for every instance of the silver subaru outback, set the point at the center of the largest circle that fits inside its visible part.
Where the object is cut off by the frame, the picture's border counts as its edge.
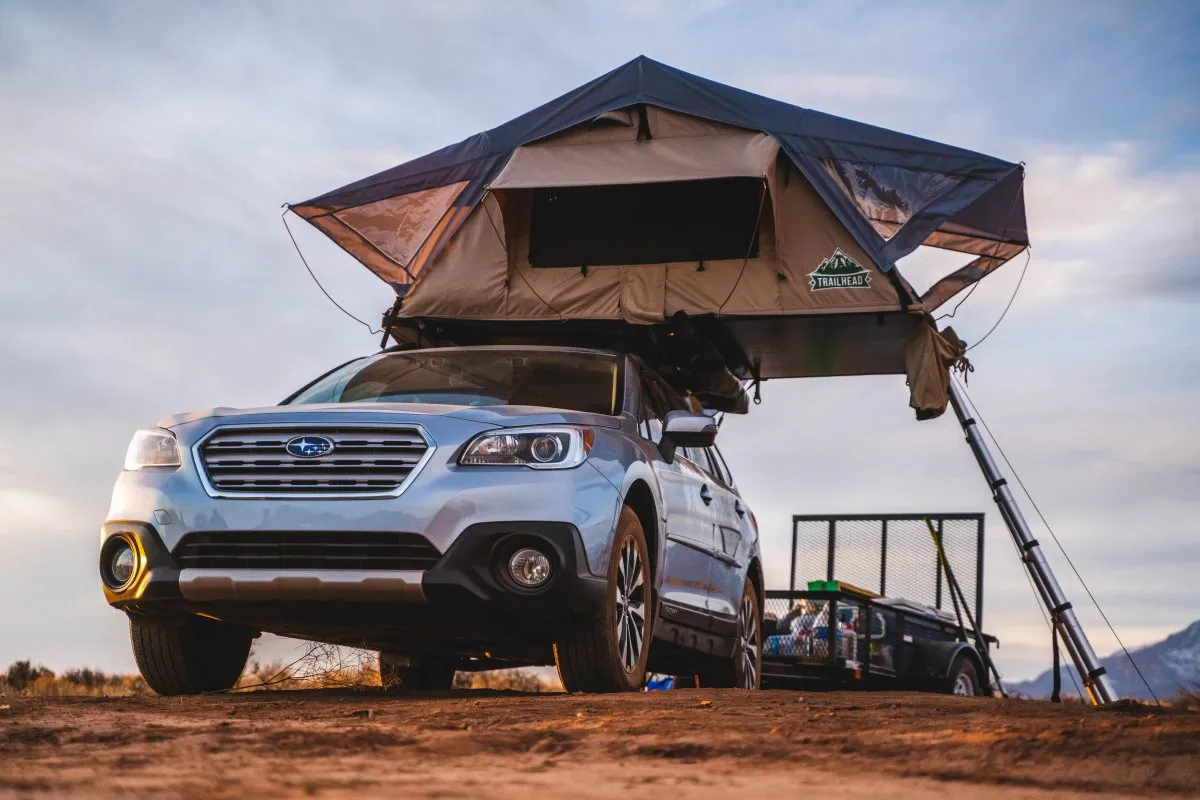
(454, 509)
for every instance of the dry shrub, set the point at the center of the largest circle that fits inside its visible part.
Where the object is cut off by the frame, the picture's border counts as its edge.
(1188, 699)
(25, 678)
(322, 666)
(514, 680)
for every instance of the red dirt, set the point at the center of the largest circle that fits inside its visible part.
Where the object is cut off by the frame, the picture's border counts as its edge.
(680, 744)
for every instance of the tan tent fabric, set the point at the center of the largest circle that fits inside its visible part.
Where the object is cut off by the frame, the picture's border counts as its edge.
(442, 290)
(483, 272)
(929, 357)
(388, 236)
(398, 225)
(996, 255)
(352, 242)
(659, 160)
(797, 234)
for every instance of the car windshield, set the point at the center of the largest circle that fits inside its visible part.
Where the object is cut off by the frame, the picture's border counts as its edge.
(552, 379)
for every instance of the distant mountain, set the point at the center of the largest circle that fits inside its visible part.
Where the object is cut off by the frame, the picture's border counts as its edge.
(1170, 666)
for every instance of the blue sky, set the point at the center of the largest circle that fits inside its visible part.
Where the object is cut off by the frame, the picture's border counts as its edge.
(145, 150)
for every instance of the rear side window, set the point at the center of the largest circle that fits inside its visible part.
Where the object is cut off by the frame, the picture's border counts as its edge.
(722, 469)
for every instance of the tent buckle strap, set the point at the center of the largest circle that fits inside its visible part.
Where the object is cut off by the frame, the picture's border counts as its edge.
(389, 321)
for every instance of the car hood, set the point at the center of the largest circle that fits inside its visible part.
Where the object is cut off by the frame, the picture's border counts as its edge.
(494, 416)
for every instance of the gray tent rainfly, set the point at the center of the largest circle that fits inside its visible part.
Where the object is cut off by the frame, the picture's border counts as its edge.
(723, 235)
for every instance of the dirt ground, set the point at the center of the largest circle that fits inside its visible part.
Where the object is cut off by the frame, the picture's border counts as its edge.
(679, 744)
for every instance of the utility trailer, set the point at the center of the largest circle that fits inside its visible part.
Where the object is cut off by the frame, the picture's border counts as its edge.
(884, 601)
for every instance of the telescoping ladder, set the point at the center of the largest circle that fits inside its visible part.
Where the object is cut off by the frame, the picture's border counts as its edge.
(1062, 615)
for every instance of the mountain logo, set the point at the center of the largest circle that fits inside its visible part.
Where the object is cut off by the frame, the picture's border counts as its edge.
(839, 271)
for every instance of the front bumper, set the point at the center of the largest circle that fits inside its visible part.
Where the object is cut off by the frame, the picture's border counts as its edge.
(462, 603)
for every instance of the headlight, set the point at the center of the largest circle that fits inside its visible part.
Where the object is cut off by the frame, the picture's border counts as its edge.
(538, 448)
(153, 447)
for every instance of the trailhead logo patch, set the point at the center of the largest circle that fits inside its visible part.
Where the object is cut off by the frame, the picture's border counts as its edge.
(839, 271)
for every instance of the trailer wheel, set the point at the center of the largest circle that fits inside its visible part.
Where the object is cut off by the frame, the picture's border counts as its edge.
(964, 679)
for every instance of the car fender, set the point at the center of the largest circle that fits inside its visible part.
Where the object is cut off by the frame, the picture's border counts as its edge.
(623, 462)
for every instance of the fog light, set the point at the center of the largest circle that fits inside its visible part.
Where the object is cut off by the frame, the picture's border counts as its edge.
(122, 564)
(529, 568)
(119, 563)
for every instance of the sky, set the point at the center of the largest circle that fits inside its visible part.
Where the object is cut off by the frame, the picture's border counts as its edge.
(146, 150)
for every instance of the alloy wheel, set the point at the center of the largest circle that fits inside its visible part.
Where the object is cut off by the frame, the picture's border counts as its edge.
(750, 644)
(631, 605)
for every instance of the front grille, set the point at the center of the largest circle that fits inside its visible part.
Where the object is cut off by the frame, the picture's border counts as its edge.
(305, 550)
(365, 460)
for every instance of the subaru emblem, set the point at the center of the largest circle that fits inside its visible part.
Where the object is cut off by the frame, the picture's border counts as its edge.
(309, 446)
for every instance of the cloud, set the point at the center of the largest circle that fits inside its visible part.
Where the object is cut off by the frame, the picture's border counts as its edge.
(1105, 221)
(810, 89)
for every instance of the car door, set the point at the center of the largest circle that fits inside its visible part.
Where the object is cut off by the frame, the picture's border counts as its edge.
(690, 522)
(733, 541)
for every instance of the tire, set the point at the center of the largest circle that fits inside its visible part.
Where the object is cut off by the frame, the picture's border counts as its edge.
(744, 669)
(428, 673)
(964, 679)
(609, 653)
(191, 655)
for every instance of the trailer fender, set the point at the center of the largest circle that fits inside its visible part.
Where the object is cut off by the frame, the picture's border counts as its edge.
(936, 659)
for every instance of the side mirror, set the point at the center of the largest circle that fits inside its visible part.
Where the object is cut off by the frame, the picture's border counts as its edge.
(686, 429)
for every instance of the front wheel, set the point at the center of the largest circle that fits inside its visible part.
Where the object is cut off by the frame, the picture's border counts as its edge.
(609, 653)
(190, 655)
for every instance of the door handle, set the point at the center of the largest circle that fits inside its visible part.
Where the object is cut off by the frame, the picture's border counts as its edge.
(737, 507)
(706, 495)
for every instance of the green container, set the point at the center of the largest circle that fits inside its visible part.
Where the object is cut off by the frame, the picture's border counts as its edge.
(824, 586)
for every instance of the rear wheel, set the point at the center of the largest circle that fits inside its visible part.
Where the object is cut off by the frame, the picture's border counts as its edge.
(190, 655)
(744, 669)
(609, 653)
(435, 673)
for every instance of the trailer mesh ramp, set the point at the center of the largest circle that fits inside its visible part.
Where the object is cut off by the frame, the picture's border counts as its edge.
(892, 555)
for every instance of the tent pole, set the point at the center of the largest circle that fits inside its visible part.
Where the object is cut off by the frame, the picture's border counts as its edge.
(1100, 689)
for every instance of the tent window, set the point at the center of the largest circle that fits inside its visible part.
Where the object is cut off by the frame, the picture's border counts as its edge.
(652, 223)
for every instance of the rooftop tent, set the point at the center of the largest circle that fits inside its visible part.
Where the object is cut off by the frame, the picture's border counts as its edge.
(722, 235)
